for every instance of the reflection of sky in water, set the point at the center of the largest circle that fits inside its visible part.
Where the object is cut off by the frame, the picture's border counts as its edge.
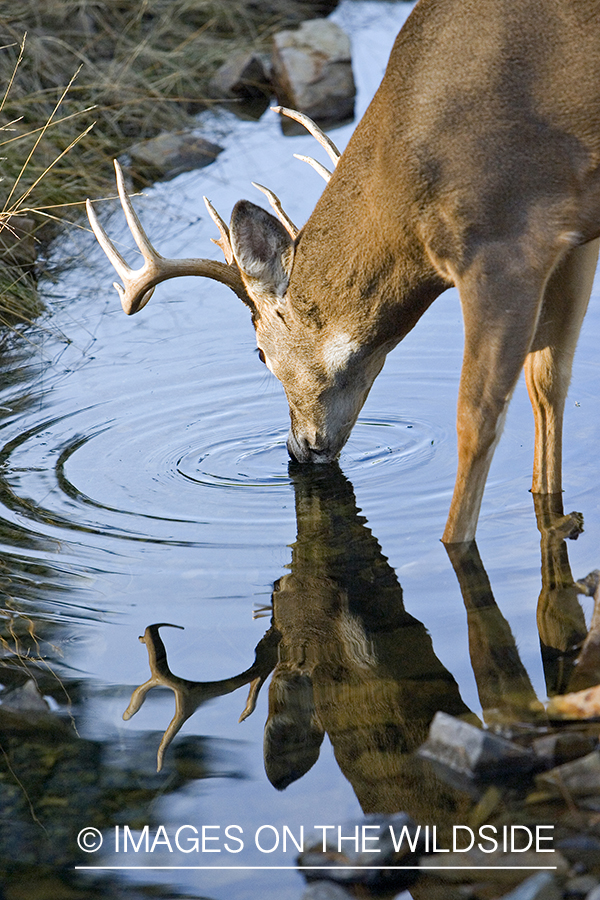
(151, 456)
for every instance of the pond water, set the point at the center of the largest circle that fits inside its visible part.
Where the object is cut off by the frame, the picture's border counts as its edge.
(144, 479)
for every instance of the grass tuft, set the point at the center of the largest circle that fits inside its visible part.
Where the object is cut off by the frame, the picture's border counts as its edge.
(140, 69)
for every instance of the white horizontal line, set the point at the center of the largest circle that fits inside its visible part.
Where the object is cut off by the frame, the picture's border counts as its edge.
(328, 868)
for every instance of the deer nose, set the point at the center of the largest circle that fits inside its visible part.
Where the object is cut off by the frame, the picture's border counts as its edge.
(300, 450)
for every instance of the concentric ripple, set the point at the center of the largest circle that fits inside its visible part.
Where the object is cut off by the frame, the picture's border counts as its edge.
(382, 443)
(137, 476)
(260, 459)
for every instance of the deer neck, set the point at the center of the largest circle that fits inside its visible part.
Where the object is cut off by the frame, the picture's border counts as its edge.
(359, 264)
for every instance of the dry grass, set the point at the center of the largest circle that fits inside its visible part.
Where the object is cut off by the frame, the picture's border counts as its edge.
(142, 68)
(81, 80)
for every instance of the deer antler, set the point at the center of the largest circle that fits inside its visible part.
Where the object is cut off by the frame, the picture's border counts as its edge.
(224, 242)
(189, 695)
(332, 151)
(279, 210)
(138, 284)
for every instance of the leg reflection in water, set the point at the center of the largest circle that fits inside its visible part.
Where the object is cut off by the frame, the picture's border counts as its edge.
(504, 688)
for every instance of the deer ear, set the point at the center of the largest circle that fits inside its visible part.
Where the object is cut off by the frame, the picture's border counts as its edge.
(263, 249)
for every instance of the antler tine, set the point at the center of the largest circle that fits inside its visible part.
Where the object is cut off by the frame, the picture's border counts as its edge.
(279, 211)
(224, 242)
(123, 270)
(138, 284)
(135, 226)
(253, 692)
(114, 257)
(317, 166)
(332, 151)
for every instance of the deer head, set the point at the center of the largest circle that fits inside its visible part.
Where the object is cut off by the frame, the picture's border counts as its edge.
(326, 367)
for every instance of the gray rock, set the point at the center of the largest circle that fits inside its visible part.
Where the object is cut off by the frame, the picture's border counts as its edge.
(312, 71)
(580, 778)
(541, 886)
(290, 12)
(580, 886)
(592, 803)
(562, 747)
(243, 77)
(509, 867)
(351, 865)
(473, 752)
(581, 848)
(169, 154)
(24, 699)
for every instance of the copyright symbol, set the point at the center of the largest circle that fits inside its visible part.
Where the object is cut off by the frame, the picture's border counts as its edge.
(89, 840)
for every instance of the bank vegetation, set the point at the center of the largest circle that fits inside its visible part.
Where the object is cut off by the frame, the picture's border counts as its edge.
(81, 81)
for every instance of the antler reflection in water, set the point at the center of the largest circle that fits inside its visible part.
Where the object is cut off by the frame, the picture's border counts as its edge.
(189, 695)
(352, 662)
(584, 702)
(587, 670)
(347, 659)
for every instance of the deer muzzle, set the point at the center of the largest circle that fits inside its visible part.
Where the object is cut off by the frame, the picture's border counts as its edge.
(300, 450)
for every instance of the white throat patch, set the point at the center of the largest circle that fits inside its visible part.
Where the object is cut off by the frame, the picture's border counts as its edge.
(337, 351)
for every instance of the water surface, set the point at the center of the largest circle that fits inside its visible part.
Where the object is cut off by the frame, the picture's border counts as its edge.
(144, 479)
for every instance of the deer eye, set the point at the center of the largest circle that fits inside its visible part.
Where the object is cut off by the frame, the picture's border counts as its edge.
(261, 356)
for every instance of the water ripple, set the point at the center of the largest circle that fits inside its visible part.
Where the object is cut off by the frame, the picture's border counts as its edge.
(137, 476)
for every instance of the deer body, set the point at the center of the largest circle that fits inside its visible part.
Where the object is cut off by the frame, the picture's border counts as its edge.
(477, 165)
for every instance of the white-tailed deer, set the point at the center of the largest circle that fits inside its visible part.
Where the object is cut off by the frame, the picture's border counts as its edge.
(477, 164)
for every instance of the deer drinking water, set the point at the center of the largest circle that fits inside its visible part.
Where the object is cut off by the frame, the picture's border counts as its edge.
(477, 165)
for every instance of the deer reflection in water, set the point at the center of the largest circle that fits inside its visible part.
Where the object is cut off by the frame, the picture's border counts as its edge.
(348, 660)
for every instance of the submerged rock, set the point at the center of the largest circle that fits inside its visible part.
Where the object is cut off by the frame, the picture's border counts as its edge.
(24, 698)
(470, 866)
(580, 778)
(562, 747)
(581, 886)
(325, 890)
(581, 849)
(375, 841)
(473, 752)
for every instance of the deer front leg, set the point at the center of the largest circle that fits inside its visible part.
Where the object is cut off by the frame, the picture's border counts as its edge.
(500, 314)
(548, 365)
